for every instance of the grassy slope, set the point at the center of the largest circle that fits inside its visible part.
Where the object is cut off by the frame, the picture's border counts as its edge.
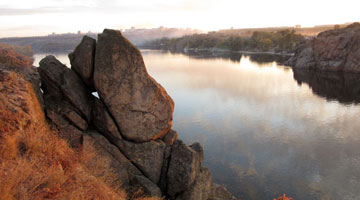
(35, 163)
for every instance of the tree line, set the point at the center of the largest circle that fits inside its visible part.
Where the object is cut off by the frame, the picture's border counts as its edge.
(279, 41)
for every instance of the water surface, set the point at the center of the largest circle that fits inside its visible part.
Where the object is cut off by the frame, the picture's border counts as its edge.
(265, 128)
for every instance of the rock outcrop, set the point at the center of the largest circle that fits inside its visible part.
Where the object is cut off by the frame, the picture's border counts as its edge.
(333, 50)
(140, 106)
(129, 125)
(59, 83)
(82, 60)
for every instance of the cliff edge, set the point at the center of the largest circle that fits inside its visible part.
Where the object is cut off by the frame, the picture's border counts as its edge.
(333, 50)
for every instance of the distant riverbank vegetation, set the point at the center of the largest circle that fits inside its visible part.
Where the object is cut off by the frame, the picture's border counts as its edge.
(259, 41)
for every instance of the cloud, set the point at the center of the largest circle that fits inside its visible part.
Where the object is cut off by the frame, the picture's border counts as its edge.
(14, 11)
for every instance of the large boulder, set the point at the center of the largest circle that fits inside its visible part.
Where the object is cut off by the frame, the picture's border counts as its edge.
(146, 156)
(333, 50)
(140, 106)
(60, 83)
(184, 166)
(82, 60)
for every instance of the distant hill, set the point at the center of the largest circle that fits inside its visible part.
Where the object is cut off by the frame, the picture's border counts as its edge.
(67, 42)
(306, 31)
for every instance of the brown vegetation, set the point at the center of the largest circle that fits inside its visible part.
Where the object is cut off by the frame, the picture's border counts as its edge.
(16, 56)
(283, 197)
(35, 163)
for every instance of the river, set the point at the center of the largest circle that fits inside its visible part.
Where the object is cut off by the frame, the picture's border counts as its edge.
(265, 129)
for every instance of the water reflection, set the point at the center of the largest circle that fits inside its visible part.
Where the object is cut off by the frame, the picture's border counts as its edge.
(263, 133)
(260, 59)
(342, 87)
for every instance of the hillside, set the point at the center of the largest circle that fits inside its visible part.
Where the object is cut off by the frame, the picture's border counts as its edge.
(55, 43)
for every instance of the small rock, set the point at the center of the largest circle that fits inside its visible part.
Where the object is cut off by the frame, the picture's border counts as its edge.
(183, 168)
(170, 137)
(200, 189)
(147, 157)
(198, 148)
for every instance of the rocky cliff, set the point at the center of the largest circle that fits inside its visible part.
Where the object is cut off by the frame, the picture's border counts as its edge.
(128, 121)
(333, 50)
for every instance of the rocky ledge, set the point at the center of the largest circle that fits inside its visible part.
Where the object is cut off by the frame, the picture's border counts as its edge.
(129, 121)
(333, 50)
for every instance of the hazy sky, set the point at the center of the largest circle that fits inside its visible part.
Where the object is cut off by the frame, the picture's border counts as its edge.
(41, 17)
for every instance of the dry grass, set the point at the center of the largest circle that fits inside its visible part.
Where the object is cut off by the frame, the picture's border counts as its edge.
(35, 163)
(40, 165)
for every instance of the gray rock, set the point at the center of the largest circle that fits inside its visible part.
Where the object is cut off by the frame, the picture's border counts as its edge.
(183, 168)
(75, 118)
(219, 192)
(82, 60)
(198, 148)
(163, 177)
(170, 137)
(140, 106)
(61, 83)
(121, 168)
(123, 162)
(146, 187)
(66, 130)
(104, 122)
(333, 50)
(200, 189)
(147, 156)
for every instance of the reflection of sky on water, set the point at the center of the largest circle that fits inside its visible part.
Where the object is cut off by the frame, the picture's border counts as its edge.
(263, 134)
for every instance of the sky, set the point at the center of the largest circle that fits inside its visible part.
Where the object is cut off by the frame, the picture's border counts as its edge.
(42, 17)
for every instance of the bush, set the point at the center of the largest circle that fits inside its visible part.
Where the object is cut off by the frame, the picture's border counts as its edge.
(16, 56)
